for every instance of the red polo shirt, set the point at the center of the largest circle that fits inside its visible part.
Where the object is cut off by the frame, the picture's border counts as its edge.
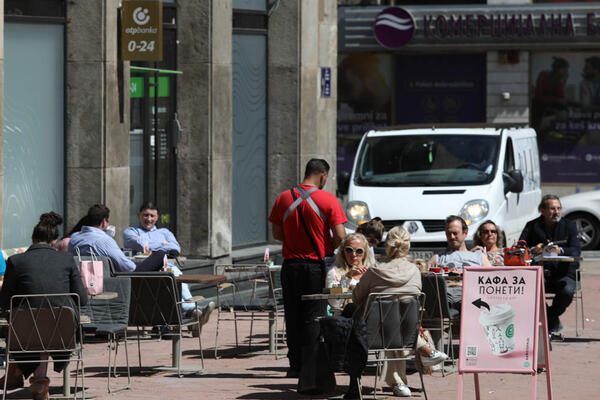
(296, 244)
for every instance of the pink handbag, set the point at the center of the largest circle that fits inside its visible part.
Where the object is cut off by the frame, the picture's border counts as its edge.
(92, 274)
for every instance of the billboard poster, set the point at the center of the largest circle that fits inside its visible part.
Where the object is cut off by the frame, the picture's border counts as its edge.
(498, 320)
(565, 112)
(425, 92)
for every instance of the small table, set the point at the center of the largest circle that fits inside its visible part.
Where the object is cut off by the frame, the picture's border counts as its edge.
(327, 296)
(104, 296)
(543, 259)
(176, 339)
(200, 278)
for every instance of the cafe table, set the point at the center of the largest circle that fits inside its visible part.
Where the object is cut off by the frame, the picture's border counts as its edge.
(176, 339)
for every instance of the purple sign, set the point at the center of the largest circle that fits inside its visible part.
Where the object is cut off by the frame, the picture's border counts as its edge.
(394, 27)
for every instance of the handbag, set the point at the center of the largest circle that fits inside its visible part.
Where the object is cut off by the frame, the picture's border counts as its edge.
(517, 255)
(92, 273)
(316, 376)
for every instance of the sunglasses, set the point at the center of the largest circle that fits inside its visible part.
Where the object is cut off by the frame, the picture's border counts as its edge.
(489, 231)
(350, 250)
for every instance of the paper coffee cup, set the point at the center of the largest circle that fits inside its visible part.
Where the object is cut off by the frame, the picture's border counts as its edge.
(499, 327)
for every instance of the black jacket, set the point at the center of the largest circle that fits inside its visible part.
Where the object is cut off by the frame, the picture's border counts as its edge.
(536, 232)
(41, 270)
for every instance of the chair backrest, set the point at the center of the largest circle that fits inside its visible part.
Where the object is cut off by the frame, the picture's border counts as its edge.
(109, 315)
(154, 299)
(392, 322)
(436, 296)
(43, 322)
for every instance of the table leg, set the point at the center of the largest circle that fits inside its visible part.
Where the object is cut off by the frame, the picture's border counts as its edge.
(176, 345)
(67, 380)
(272, 332)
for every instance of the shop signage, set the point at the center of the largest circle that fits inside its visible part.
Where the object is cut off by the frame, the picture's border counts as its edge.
(498, 27)
(141, 34)
(394, 27)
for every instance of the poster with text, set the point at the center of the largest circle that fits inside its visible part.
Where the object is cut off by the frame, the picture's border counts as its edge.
(565, 112)
(498, 320)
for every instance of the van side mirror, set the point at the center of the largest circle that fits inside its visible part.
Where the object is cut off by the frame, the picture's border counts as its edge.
(513, 181)
(343, 182)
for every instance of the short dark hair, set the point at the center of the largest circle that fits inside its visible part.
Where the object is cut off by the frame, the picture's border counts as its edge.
(96, 214)
(452, 218)
(46, 229)
(545, 199)
(373, 228)
(316, 166)
(148, 205)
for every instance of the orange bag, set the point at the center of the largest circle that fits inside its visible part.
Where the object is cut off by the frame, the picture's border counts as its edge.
(517, 255)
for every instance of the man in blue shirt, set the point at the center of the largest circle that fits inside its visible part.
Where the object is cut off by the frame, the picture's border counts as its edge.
(93, 237)
(148, 235)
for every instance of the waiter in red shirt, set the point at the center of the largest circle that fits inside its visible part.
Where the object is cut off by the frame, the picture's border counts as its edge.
(310, 223)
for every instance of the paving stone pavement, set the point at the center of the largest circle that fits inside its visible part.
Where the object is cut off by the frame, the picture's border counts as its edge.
(241, 375)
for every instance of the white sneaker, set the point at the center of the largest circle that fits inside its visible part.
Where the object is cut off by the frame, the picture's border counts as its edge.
(434, 358)
(401, 391)
(206, 311)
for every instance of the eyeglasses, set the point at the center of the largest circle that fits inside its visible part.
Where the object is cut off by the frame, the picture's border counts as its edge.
(489, 231)
(350, 250)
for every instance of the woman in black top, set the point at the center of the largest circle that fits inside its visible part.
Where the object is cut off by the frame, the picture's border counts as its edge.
(40, 270)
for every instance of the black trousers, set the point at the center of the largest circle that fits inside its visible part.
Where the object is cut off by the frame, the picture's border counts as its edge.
(564, 288)
(300, 277)
(154, 262)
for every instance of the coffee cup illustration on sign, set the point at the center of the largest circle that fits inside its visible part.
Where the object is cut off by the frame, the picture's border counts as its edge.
(499, 328)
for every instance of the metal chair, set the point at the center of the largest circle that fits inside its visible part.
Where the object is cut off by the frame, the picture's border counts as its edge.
(438, 316)
(252, 296)
(578, 298)
(155, 302)
(46, 324)
(109, 317)
(392, 328)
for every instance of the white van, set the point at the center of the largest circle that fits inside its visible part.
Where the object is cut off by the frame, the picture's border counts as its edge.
(417, 177)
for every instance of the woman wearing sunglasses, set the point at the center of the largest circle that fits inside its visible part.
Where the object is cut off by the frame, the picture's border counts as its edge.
(490, 239)
(352, 260)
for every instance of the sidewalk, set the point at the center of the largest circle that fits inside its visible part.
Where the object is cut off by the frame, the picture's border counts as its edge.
(574, 366)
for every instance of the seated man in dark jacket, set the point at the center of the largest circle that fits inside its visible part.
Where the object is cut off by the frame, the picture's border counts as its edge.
(543, 233)
(40, 270)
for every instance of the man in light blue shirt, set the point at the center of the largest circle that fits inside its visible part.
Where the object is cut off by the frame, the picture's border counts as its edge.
(93, 237)
(147, 234)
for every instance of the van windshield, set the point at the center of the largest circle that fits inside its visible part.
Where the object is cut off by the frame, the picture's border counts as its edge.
(428, 160)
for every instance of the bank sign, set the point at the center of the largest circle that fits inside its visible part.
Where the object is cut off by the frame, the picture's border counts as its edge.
(141, 34)
(395, 27)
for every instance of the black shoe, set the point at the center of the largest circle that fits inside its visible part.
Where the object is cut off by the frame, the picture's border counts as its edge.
(292, 373)
(352, 393)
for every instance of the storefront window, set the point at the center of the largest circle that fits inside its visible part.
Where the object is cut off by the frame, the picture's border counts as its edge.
(565, 112)
(34, 8)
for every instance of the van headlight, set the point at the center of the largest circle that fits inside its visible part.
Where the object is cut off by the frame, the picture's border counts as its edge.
(357, 212)
(474, 211)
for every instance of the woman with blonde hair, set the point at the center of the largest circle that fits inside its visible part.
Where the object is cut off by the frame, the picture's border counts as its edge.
(397, 276)
(489, 238)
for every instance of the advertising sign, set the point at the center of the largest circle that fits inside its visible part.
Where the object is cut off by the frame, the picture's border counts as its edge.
(499, 320)
(394, 27)
(565, 112)
(141, 35)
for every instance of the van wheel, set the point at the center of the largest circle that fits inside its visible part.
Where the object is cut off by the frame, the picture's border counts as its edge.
(588, 228)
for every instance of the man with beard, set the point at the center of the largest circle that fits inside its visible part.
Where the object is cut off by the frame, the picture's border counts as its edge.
(559, 277)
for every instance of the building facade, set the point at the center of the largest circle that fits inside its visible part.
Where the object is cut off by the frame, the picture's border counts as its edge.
(512, 62)
(211, 133)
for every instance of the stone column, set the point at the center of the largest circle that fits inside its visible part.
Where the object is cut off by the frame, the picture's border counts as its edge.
(302, 124)
(204, 100)
(1, 117)
(512, 79)
(97, 133)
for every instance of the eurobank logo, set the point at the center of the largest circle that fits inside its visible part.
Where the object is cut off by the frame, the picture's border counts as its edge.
(394, 27)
